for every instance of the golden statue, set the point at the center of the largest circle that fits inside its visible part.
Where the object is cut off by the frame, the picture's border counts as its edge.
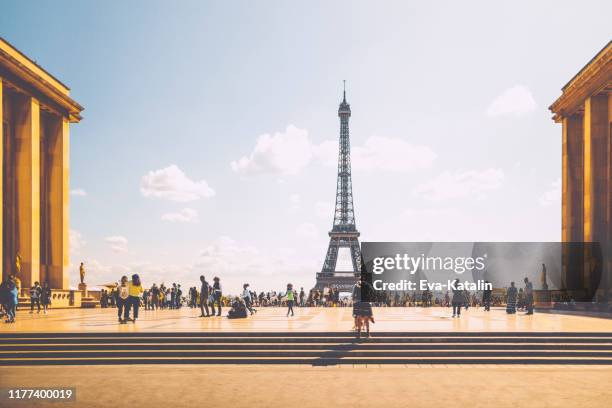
(82, 272)
(18, 263)
(543, 278)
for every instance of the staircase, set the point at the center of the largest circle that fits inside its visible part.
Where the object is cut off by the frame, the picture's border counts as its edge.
(313, 348)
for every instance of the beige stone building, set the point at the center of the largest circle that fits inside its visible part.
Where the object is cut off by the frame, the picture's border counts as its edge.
(35, 114)
(585, 111)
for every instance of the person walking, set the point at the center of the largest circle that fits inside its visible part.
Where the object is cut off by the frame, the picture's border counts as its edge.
(12, 298)
(486, 297)
(290, 299)
(529, 296)
(155, 297)
(35, 292)
(123, 294)
(511, 295)
(458, 300)
(134, 290)
(45, 297)
(204, 292)
(168, 301)
(179, 295)
(362, 308)
(217, 295)
(246, 296)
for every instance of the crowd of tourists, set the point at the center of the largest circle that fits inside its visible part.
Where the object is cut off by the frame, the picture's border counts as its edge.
(129, 296)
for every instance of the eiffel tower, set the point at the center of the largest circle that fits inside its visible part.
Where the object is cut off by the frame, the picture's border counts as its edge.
(344, 232)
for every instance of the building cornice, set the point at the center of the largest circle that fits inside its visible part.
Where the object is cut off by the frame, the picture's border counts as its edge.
(593, 78)
(26, 76)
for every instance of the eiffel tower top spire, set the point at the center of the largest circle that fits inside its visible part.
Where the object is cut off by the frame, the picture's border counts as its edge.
(344, 108)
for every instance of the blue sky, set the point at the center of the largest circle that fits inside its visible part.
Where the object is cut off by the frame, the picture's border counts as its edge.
(451, 135)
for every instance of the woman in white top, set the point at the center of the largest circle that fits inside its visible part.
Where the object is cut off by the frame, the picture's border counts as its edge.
(246, 296)
(168, 298)
(122, 299)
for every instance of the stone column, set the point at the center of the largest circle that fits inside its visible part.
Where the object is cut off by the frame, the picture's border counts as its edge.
(607, 279)
(55, 198)
(572, 201)
(573, 170)
(27, 138)
(3, 273)
(596, 180)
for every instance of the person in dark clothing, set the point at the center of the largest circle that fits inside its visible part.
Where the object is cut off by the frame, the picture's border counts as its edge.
(4, 297)
(528, 296)
(179, 297)
(458, 300)
(238, 310)
(204, 292)
(511, 296)
(155, 292)
(45, 297)
(10, 299)
(362, 309)
(217, 295)
(35, 292)
(486, 297)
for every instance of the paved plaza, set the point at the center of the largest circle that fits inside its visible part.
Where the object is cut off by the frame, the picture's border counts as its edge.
(388, 319)
(306, 386)
(356, 385)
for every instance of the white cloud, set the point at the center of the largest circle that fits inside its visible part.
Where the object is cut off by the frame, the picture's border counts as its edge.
(289, 152)
(379, 153)
(552, 196)
(516, 100)
(184, 215)
(326, 152)
(307, 230)
(117, 243)
(78, 192)
(76, 242)
(295, 202)
(324, 209)
(391, 154)
(172, 184)
(283, 153)
(236, 263)
(472, 183)
(435, 224)
(101, 273)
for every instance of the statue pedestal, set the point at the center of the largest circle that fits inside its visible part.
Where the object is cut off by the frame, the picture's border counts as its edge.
(86, 300)
(542, 299)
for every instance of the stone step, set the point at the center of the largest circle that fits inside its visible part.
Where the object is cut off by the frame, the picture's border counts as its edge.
(331, 353)
(304, 346)
(319, 348)
(343, 334)
(307, 340)
(317, 361)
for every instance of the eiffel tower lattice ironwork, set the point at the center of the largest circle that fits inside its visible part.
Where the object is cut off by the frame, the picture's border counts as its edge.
(344, 232)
